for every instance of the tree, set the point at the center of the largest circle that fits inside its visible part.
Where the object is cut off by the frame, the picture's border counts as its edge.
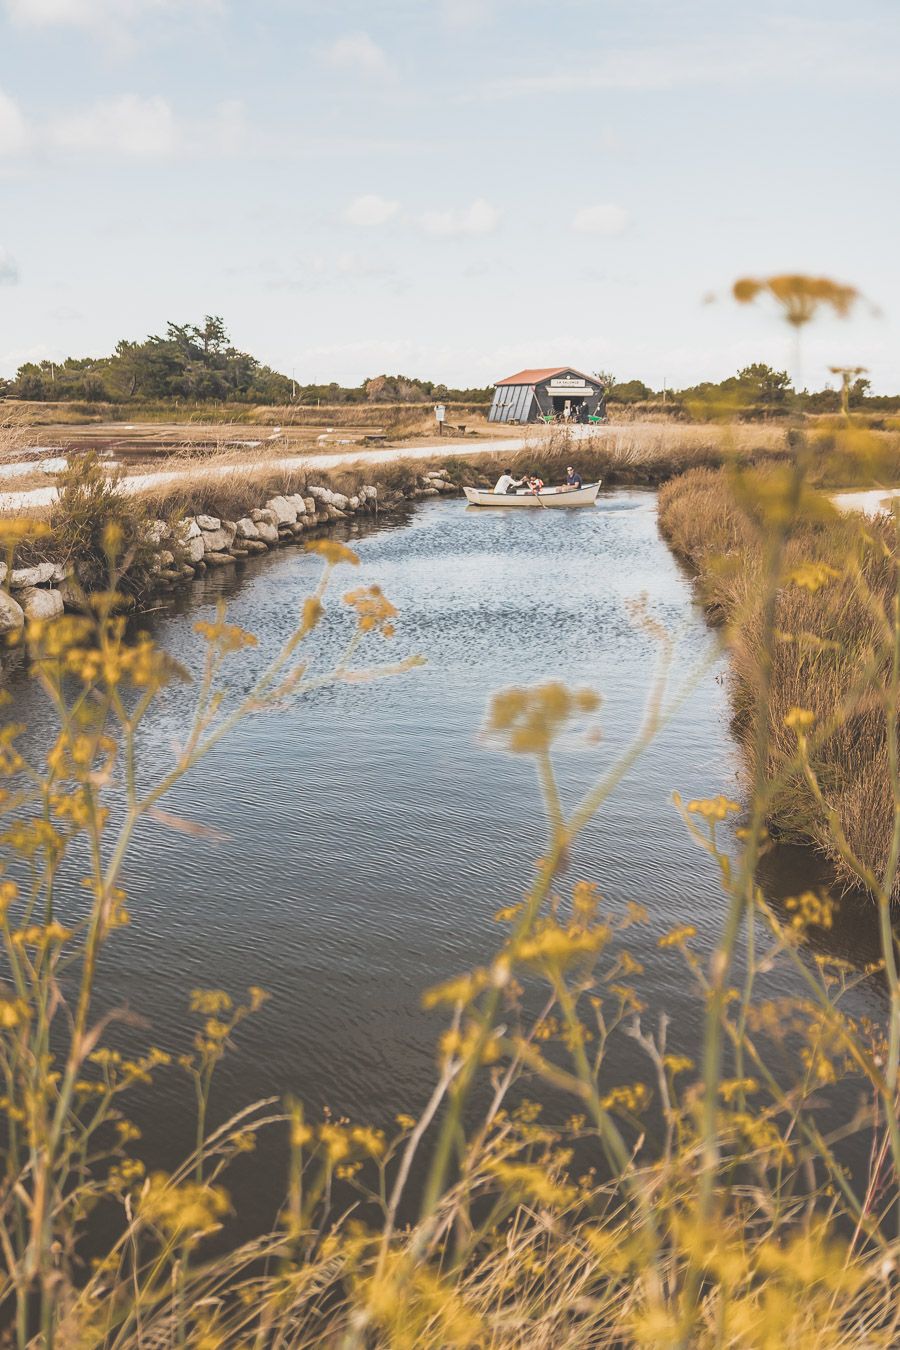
(632, 391)
(859, 392)
(765, 385)
(30, 382)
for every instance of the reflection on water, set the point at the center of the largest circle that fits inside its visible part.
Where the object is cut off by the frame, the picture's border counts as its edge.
(371, 836)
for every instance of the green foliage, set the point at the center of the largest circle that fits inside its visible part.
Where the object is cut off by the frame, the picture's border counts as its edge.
(632, 391)
(198, 363)
(193, 362)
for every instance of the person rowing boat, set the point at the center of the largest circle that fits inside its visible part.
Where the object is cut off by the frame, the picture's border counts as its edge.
(506, 483)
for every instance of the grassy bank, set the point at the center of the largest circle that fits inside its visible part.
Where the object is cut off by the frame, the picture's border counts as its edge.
(838, 584)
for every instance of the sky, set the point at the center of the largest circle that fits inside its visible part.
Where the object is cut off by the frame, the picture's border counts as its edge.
(451, 189)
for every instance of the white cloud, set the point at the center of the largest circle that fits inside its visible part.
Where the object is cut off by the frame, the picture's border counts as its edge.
(13, 127)
(128, 125)
(142, 127)
(766, 55)
(228, 129)
(479, 218)
(357, 52)
(89, 13)
(370, 210)
(9, 268)
(465, 13)
(607, 219)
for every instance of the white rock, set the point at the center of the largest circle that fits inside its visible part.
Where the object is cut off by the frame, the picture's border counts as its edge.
(246, 529)
(321, 494)
(31, 576)
(216, 541)
(39, 604)
(300, 502)
(3, 571)
(268, 517)
(156, 531)
(340, 501)
(208, 522)
(310, 505)
(194, 548)
(369, 492)
(230, 528)
(354, 503)
(12, 615)
(285, 513)
(188, 528)
(268, 533)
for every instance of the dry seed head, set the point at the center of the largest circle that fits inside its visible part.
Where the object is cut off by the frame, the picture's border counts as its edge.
(799, 297)
(333, 551)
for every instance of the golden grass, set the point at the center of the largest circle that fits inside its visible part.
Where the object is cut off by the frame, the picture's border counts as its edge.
(829, 636)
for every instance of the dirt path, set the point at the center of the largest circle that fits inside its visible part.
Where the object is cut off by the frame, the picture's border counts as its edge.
(38, 498)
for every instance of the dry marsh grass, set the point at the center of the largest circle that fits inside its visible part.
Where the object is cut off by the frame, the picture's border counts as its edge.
(840, 576)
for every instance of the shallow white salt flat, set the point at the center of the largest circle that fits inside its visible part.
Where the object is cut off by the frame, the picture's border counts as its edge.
(23, 501)
(869, 502)
(21, 469)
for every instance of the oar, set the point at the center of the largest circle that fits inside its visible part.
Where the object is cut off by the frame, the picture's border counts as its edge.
(537, 493)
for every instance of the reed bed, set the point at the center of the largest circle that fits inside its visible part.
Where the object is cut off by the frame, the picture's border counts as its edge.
(840, 577)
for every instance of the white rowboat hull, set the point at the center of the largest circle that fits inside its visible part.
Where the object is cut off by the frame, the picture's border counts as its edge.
(583, 496)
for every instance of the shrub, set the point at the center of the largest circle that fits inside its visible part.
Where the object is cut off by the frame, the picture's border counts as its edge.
(94, 519)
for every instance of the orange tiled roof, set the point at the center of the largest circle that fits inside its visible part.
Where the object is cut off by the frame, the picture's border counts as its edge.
(535, 376)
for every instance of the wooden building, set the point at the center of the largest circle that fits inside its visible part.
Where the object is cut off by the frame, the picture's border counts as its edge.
(558, 394)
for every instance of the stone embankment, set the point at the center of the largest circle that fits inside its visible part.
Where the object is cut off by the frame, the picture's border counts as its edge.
(192, 546)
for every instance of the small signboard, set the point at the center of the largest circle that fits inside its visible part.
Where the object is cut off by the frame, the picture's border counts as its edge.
(570, 384)
(440, 412)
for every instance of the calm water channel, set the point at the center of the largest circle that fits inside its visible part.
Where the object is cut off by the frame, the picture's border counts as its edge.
(371, 834)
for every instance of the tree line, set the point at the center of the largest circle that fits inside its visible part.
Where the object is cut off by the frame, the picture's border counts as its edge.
(757, 387)
(198, 363)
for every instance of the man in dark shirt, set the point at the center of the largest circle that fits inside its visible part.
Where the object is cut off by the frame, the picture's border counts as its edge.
(573, 479)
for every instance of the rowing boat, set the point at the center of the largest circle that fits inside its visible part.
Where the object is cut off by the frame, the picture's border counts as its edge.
(554, 496)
